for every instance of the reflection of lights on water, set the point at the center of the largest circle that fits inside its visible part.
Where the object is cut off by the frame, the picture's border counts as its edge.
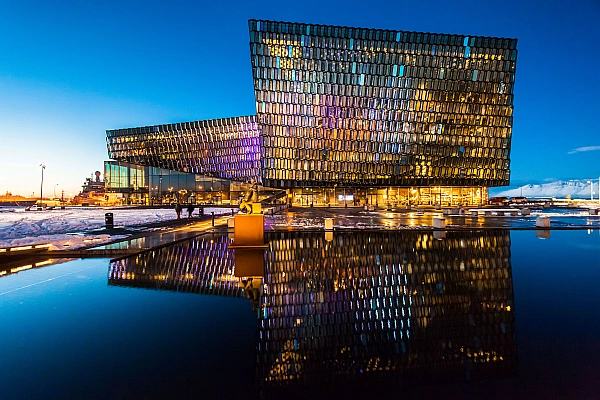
(23, 268)
(218, 278)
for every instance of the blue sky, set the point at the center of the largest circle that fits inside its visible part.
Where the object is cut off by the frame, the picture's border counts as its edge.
(69, 70)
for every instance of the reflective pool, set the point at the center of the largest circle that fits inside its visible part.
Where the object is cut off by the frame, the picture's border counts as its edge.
(353, 218)
(461, 315)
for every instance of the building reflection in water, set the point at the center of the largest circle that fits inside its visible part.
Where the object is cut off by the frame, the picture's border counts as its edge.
(9, 267)
(391, 307)
(202, 265)
(387, 304)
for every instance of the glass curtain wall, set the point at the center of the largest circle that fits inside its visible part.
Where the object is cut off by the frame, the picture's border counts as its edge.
(443, 196)
(170, 187)
(128, 181)
(227, 148)
(400, 117)
(368, 107)
(139, 185)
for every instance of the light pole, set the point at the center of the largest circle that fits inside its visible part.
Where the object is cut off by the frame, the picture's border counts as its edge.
(55, 190)
(591, 190)
(42, 185)
(160, 188)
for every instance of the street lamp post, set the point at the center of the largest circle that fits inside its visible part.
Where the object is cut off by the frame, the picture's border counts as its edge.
(160, 188)
(55, 190)
(42, 185)
(155, 188)
(591, 190)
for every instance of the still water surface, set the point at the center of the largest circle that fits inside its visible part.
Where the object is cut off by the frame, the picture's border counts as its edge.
(493, 313)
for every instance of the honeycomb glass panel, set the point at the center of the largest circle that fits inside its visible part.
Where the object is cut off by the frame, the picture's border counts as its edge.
(227, 148)
(447, 90)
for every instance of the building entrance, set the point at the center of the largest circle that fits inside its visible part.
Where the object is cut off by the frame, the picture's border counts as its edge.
(391, 196)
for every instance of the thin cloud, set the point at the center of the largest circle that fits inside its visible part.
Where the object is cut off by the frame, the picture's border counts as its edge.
(582, 149)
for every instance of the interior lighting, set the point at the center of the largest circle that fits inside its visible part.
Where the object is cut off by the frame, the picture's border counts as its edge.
(21, 248)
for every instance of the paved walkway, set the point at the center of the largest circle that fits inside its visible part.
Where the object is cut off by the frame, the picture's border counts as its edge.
(300, 218)
(179, 232)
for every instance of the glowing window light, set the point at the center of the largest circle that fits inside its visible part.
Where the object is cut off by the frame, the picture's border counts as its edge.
(21, 248)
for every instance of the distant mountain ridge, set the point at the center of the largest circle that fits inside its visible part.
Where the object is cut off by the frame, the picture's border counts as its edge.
(577, 189)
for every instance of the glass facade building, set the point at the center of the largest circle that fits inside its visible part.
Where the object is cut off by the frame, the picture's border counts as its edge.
(351, 113)
(200, 162)
(367, 107)
(225, 148)
(138, 184)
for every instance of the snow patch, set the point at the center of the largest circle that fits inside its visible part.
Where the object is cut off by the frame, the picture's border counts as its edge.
(577, 189)
(19, 227)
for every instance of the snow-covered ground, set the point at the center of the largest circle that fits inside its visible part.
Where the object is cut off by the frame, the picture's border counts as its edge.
(19, 227)
(576, 189)
(70, 228)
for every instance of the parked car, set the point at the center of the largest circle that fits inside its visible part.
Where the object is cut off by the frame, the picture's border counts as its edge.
(519, 200)
(498, 201)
